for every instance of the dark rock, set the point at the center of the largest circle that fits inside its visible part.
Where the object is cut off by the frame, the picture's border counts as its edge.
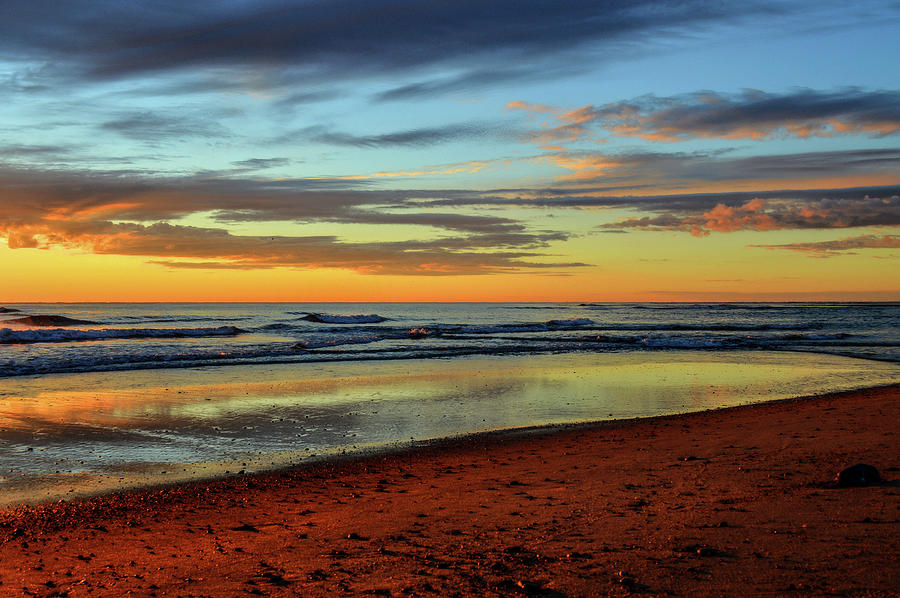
(276, 579)
(8, 310)
(245, 528)
(857, 475)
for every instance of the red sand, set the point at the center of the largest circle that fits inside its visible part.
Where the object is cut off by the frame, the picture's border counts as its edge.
(729, 502)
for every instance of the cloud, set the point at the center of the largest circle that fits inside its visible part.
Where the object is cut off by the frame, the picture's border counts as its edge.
(760, 215)
(469, 167)
(182, 246)
(128, 214)
(155, 127)
(38, 151)
(840, 246)
(138, 213)
(476, 79)
(562, 125)
(331, 40)
(752, 114)
(260, 163)
(421, 137)
(678, 168)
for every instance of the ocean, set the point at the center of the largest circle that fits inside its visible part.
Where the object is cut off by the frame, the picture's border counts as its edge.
(99, 397)
(121, 337)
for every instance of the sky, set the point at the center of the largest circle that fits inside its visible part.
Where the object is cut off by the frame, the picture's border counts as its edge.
(510, 150)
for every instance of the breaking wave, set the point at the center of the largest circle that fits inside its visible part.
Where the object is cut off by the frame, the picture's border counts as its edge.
(58, 335)
(338, 319)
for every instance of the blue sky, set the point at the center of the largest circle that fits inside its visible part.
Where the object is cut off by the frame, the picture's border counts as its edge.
(470, 138)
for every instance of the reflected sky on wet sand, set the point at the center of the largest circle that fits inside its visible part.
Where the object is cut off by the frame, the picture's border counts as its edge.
(67, 435)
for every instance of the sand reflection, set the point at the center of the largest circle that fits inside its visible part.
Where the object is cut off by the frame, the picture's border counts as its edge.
(69, 434)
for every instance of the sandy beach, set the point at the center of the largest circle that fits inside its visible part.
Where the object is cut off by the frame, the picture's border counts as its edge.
(729, 502)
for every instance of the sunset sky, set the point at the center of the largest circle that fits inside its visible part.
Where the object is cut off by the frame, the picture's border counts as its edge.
(355, 150)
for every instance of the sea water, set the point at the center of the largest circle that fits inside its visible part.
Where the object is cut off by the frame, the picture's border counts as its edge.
(150, 393)
(123, 337)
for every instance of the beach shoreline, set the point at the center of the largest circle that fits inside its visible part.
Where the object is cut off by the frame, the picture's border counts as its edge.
(708, 503)
(78, 435)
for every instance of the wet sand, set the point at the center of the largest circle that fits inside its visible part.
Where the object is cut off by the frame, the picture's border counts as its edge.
(729, 502)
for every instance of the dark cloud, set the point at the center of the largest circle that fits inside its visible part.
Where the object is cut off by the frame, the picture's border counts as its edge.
(125, 213)
(579, 197)
(412, 138)
(155, 127)
(136, 213)
(752, 114)
(260, 163)
(336, 39)
(473, 79)
(596, 179)
(841, 246)
(761, 214)
(299, 98)
(42, 151)
(667, 169)
(757, 115)
(174, 243)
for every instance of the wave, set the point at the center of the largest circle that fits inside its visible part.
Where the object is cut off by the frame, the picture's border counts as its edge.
(49, 321)
(153, 319)
(276, 326)
(550, 325)
(125, 357)
(58, 335)
(339, 319)
(708, 327)
(358, 340)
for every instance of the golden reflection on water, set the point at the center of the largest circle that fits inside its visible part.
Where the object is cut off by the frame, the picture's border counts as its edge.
(637, 383)
(63, 435)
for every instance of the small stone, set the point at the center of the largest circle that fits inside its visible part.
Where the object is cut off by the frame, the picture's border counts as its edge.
(246, 528)
(858, 475)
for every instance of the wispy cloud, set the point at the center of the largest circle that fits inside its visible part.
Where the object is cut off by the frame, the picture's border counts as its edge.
(678, 168)
(155, 127)
(752, 114)
(755, 115)
(340, 39)
(760, 215)
(420, 137)
(841, 246)
(252, 164)
(130, 214)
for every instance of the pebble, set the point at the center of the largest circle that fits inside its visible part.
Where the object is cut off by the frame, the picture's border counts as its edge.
(860, 474)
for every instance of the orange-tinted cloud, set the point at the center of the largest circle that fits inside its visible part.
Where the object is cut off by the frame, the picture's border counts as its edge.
(561, 125)
(762, 215)
(841, 246)
(752, 115)
(113, 215)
